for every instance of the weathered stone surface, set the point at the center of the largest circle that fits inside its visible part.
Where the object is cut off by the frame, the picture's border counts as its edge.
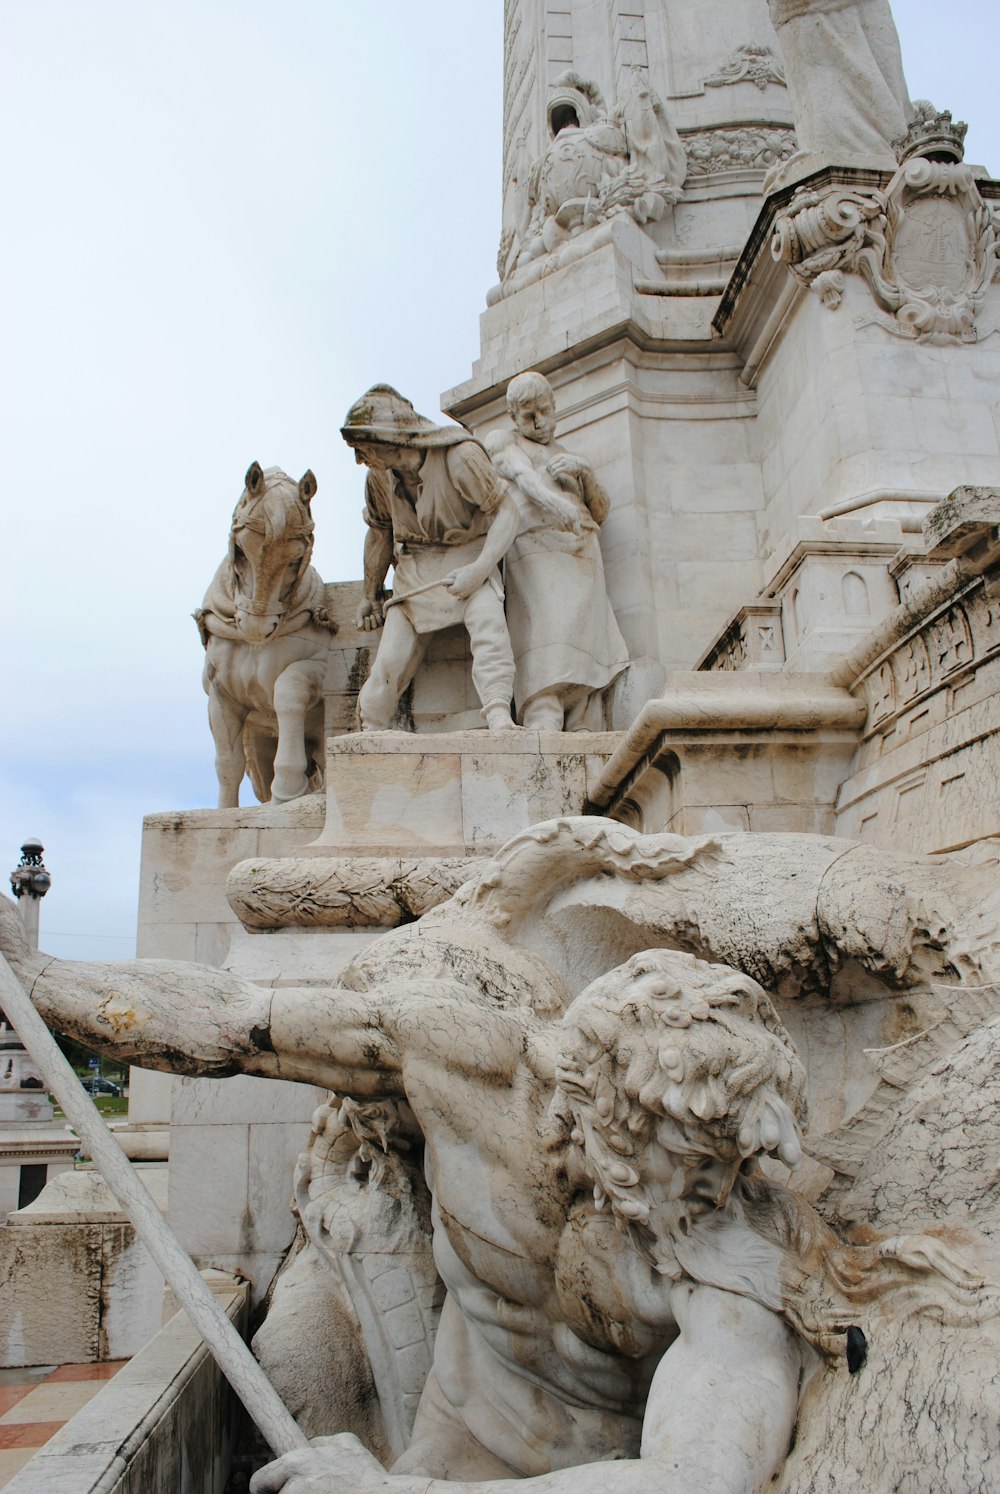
(76, 1285)
(582, 1041)
(452, 794)
(845, 79)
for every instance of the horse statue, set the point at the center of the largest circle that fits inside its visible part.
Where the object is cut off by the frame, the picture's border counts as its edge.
(266, 634)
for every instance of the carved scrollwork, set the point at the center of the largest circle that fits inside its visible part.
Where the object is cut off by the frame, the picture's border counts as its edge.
(825, 232)
(926, 246)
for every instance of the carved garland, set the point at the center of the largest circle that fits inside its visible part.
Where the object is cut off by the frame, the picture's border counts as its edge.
(343, 892)
(743, 148)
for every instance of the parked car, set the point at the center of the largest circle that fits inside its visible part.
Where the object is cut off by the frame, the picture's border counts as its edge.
(98, 1086)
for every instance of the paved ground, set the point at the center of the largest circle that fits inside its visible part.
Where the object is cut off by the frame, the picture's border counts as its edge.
(36, 1402)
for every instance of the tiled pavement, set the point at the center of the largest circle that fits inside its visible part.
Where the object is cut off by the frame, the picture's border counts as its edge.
(36, 1402)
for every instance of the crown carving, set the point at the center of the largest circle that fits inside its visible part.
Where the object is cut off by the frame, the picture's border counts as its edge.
(932, 134)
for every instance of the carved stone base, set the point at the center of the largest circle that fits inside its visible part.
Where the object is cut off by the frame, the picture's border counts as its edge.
(457, 794)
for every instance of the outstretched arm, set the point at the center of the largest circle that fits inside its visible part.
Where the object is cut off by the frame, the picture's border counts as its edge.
(718, 1420)
(191, 1019)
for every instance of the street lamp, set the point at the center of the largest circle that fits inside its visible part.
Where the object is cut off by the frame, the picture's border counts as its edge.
(29, 880)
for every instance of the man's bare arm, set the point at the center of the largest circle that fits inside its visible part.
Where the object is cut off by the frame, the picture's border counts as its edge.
(499, 538)
(191, 1019)
(378, 559)
(512, 464)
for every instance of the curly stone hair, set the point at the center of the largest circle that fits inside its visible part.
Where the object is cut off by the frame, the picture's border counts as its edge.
(668, 1035)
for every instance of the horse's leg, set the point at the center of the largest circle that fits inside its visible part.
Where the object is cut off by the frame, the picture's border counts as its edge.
(295, 692)
(226, 719)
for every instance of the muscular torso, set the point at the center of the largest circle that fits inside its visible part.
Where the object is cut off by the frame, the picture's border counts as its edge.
(554, 1324)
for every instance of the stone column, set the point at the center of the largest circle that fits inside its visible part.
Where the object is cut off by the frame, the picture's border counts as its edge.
(613, 313)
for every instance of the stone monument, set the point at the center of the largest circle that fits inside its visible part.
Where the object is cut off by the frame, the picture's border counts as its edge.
(652, 1070)
(634, 1281)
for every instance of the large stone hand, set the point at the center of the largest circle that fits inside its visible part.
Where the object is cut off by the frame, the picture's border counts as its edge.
(332, 1465)
(369, 616)
(463, 582)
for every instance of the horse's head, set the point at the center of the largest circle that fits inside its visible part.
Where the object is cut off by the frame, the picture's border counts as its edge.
(270, 546)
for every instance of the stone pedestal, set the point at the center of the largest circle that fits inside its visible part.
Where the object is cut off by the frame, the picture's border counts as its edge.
(76, 1285)
(459, 793)
(33, 1148)
(39, 1145)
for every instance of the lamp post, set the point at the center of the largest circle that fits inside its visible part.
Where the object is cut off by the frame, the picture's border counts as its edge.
(30, 882)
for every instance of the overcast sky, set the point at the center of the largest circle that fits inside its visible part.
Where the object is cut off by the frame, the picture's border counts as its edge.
(224, 219)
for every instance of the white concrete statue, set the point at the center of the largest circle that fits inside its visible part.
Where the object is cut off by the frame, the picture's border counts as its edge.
(845, 79)
(567, 644)
(633, 1303)
(439, 515)
(266, 633)
(598, 163)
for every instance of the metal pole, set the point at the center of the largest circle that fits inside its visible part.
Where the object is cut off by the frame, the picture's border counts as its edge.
(241, 1369)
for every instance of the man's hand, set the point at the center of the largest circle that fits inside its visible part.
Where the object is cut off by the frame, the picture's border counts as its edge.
(463, 582)
(332, 1465)
(369, 616)
(567, 468)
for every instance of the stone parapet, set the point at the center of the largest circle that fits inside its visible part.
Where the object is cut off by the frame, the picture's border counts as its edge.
(167, 1412)
(752, 750)
(928, 761)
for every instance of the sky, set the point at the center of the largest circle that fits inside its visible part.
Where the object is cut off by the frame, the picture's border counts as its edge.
(225, 219)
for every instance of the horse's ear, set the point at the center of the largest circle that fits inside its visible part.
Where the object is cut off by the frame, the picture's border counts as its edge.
(254, 477)
(307, 486)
